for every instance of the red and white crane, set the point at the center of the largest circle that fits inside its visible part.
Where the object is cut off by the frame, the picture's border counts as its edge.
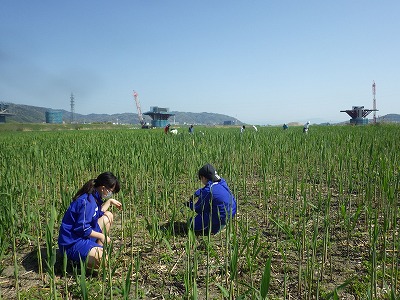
(139, 110)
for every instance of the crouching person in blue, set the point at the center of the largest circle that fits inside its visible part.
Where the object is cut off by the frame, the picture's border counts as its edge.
(87, 221)
(215, 203)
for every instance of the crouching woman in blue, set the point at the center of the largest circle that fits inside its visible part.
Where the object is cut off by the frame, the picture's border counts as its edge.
(215, 202)
(87, 220)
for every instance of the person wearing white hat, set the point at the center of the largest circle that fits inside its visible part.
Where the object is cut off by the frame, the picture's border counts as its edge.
(305, 128)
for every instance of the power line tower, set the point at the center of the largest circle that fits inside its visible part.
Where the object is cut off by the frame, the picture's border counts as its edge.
(374, 100)
(72, 108)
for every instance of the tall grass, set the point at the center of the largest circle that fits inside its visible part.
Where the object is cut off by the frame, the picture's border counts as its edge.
(313, 211)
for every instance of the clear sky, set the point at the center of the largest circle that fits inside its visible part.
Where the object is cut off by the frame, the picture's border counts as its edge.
(261, 61)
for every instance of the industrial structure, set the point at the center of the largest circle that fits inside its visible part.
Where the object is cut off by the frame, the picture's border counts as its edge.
(139, 110)
(159, 116)
(229, 122)
(72, 108)
(358, 113)
(374, 100)
(4, 112)
(54, 117)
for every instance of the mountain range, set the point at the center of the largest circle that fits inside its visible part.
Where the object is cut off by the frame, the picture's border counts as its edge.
(34, 114)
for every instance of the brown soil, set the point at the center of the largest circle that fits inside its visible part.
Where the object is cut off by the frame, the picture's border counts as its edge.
(163, 266)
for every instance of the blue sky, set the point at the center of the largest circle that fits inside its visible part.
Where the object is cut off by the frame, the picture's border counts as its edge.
(261, 61)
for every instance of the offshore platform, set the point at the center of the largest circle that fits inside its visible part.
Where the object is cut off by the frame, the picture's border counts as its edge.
(159, 115)
(358, 114)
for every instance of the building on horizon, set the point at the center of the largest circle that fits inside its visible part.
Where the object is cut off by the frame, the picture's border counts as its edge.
(4, 112)
(54, 117)
(229, 122)
(358, 115)
(159, 116)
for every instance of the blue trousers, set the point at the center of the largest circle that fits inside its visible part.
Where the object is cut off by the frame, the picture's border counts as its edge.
(201, 223)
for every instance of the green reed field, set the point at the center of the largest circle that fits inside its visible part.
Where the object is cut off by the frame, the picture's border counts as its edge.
(318, 214)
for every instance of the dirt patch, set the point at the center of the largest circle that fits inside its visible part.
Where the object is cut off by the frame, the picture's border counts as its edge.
(312, 253)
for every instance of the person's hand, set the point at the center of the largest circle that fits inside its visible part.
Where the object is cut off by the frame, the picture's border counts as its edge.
(103, 240)
(116, 203)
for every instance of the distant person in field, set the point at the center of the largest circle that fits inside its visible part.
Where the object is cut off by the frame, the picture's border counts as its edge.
(285, 126)
(242, 129)
(87, 221)
(305, 128)
(174, 131)
(215, 204)
(166, 128)
(191, 129)
(255, 128)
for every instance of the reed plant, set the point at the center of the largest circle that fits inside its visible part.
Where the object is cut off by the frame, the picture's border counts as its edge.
(314, 211)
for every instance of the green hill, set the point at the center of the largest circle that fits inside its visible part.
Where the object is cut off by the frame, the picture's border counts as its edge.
(34, 114)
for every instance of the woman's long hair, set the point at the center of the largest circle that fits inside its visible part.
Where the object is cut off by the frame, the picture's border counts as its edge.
(106, 179)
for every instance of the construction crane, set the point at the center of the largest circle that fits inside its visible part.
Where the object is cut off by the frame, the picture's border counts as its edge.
(140, 115)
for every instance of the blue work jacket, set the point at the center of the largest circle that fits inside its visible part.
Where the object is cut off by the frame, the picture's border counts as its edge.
(80, 219)
(216, 199)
